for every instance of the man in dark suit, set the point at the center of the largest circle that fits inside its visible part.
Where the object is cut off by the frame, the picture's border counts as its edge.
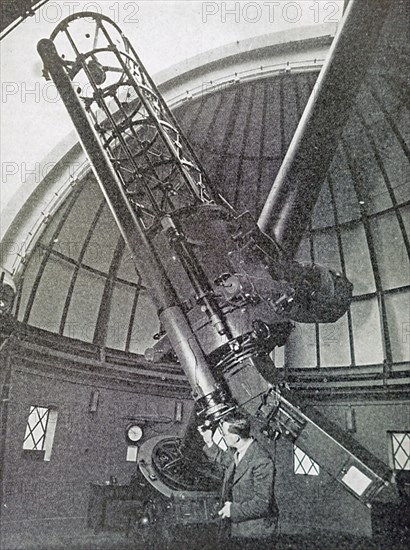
(248, 489)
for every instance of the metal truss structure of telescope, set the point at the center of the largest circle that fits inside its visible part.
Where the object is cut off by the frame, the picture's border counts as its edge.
(226, 293)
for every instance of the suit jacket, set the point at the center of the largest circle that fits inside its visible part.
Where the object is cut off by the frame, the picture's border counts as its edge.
(254, 512)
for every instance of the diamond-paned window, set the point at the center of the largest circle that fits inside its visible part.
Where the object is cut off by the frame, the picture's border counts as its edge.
(35, 436)
(303, 464)
(400, 442)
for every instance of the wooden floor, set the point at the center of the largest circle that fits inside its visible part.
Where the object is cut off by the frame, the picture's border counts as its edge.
(195, 541)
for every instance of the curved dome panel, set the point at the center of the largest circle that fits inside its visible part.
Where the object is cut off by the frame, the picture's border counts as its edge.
(99, 297)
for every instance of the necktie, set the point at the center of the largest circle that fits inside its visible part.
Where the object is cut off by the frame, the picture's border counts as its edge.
(228, 481)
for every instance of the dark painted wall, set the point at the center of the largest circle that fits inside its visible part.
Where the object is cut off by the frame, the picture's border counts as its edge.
(45, 497)
(89, 447)
(319, 503)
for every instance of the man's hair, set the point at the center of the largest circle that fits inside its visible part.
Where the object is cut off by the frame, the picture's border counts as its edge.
(238, 424)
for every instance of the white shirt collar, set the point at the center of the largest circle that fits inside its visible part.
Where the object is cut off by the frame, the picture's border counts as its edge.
(242, 447)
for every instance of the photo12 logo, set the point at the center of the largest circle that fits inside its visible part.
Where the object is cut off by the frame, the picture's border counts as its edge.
(23, 172)
(272, 11)
(53, 12)
(38, 92)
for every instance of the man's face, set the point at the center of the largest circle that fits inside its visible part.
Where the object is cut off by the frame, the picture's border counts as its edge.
(230, 439)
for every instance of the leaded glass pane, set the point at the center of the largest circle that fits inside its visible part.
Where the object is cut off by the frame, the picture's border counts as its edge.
(401, 450)
(34, 437)
(303, 464)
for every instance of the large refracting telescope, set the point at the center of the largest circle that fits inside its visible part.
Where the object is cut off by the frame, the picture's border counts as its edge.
(225, 292)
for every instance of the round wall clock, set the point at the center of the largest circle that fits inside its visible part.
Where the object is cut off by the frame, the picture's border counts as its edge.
(134, 433)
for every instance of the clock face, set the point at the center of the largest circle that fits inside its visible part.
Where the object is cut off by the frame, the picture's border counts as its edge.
(134, 433)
